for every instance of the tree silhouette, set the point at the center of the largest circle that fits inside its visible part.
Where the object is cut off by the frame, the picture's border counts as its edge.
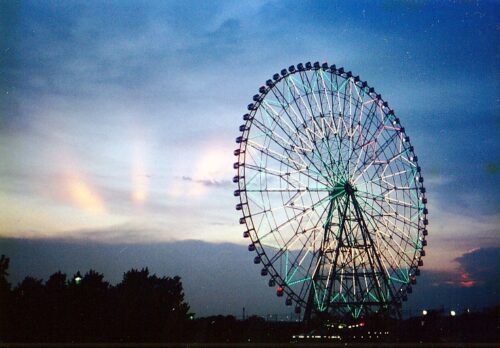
(57, 310)
(29, 298)
(88, 300)
(87, 308)
(5, 296)
(153, 308)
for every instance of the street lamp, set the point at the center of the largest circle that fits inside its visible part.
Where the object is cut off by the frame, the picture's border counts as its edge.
(453, 313)
(424, 312)
(78, 278)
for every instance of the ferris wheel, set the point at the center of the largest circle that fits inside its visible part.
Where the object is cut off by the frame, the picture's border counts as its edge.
(331, 193)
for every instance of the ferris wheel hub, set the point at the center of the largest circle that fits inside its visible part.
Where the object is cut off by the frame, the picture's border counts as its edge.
(349, 188)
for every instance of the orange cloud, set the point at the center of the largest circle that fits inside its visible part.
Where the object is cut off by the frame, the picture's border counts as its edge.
(140, 182)
(83, 195)
(466, 281)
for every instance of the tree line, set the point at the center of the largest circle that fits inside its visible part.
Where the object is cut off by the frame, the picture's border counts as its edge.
(86, 308)
(146, 308)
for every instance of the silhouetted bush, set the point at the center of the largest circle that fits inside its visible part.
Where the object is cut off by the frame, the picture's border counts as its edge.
(87, 308)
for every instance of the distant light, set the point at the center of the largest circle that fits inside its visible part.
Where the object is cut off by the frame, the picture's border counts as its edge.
(453, 313)
(78, 280)
(424, 312)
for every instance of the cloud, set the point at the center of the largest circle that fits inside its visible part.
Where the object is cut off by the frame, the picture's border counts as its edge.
(125, 234)
(208, 182)
(479, 267)
(215, 275)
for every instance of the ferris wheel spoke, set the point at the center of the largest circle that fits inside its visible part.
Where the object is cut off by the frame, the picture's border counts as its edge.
(318, 106)
(384, 214)
(329, 112)
(292, 178)
(312, 151)
(289, 162)
(313, 136)
(386, 223)
(291, 149)
(291, 129)
(288, 245)
(383, 262)
(361, 141)
(299, 259)
(287, 145)
(301, 214)
(387, 252)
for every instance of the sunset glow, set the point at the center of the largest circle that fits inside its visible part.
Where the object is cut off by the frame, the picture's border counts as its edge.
(84, 196)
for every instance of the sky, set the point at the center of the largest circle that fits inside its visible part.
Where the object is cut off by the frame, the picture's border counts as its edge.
(118, 118)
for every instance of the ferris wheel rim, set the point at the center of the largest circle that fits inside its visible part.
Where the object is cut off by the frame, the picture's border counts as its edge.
(240, 166)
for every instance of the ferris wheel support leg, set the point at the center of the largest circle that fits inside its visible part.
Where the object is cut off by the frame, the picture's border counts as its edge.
(307, 319)
(385, 306)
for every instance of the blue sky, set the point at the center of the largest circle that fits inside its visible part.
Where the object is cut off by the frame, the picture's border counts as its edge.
(118, 119)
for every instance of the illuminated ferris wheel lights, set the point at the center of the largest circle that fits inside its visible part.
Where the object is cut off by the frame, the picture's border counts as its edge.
(312, 129)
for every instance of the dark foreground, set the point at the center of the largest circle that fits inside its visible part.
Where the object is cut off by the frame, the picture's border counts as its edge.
(147, 310)
(270, 345)
(436, 329)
